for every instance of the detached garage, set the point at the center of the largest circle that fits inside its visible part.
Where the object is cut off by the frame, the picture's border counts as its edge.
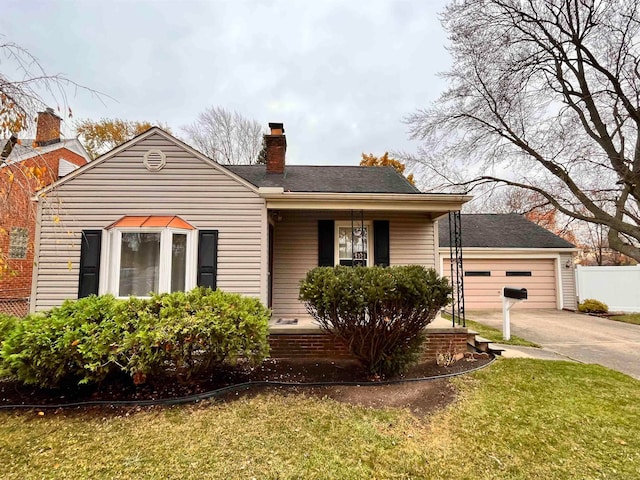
(501, 250)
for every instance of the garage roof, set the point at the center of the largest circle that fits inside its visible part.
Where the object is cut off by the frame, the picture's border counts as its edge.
(494, 230)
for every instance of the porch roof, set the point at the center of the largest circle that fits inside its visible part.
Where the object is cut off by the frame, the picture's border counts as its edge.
(436, 203)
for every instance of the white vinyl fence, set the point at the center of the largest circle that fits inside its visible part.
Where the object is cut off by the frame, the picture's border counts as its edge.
(618, 287)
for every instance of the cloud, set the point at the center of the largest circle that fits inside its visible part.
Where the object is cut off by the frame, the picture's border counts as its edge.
(340, 75)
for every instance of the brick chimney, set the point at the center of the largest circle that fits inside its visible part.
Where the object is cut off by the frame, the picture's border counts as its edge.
(276, 148)
(48, 129)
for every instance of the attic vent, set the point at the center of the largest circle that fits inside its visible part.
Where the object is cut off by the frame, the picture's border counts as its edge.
(154, 160)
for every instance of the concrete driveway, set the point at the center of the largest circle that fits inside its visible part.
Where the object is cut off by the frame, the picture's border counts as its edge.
(580, 337)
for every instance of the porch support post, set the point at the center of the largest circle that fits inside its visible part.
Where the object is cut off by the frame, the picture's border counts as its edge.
(264, 257)
(457, 270)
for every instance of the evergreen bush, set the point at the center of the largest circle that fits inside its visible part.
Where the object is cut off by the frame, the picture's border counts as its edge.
(591, 305)
(77, 340)
(7, 324)
(174, 335)
(184, 334)
(379, 313)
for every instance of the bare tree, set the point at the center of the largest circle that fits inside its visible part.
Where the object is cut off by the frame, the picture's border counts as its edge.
(543, 95)
(25, 89)
(28, 89)
(226, 137)
(595, 243)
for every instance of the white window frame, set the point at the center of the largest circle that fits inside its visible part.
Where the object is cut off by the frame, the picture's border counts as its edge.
(336, 248)
(111, 256)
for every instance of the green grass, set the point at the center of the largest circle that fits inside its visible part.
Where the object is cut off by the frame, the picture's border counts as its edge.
(494, 334)
(627, 318)
(517, 419)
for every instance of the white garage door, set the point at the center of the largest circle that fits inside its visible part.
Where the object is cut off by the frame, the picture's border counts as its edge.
(484, 279)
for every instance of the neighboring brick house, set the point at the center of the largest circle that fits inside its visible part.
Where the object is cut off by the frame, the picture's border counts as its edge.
(33, 164)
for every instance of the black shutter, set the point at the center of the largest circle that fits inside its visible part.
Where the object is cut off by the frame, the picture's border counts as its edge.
(326, 257)
(381, 243)
(208, 258)
(90, 244)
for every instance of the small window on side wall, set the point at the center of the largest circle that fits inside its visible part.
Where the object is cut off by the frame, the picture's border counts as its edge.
(518, 273)
(18, 241)
(477, 273)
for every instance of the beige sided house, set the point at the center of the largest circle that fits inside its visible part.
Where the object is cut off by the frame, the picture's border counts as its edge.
(509, 250)
(156, 215)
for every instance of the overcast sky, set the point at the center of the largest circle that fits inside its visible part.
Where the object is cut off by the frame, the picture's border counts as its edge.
(341, 75)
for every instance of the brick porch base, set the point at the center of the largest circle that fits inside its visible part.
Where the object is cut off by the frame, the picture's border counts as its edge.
(315, 343)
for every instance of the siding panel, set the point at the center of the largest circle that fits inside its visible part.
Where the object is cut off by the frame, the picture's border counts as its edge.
(296, 250)
(186, 186)
(568, 280)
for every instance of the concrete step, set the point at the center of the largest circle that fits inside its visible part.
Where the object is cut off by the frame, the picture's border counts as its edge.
(481, 344)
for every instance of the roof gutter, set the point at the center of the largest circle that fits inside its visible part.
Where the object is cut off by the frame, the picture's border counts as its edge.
(483, 251)
(277, 198)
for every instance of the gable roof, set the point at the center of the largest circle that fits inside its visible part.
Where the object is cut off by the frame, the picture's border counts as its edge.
(133, 141)
(336, 179)
(509, 230)
(25, 149)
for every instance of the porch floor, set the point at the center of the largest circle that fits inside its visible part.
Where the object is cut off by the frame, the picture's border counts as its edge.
(307, 324)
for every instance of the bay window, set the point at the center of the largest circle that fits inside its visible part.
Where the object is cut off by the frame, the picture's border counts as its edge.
(149, 259)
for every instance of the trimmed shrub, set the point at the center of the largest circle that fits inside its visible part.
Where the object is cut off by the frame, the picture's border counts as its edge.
(77, 340)
(380, 313)
(593, 306)
(185, 334)
(172, 335)
(7, 324)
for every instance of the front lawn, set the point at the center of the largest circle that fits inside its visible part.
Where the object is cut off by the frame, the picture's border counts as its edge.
(518, 418)
(627, 318)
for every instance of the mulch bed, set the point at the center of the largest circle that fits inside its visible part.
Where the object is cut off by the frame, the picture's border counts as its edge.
(420, 397)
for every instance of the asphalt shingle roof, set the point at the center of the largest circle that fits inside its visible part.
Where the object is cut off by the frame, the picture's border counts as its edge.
(501, 231)
(337, 179)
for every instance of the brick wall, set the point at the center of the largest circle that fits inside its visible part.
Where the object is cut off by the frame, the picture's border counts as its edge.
(17, 210)
(454, 341)
(315, 344)
(318, 344)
